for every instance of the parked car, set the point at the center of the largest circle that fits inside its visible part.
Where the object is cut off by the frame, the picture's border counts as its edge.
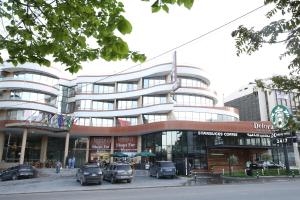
(163, 169)
(265, 165)
(17, 172)
(89, 174)
(118, 171)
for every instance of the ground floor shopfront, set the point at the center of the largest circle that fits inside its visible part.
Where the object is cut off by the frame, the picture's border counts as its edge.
(203, 146)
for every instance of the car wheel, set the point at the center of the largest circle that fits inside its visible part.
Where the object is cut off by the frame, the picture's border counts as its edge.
(14, 177)
(128, 180)
(112, 180)
(157, 175)
(82, 182)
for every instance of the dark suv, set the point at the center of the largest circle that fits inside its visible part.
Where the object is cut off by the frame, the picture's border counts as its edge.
(163, 169)
(19, 171)
(118, 171)
(89, 174)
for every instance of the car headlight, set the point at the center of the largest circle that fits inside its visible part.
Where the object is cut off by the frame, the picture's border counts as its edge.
(99, 173)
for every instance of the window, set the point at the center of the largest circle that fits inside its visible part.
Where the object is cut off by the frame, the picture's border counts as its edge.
(193, 100)
(127, 104)
(33, 96)
(126, 121)
(154, 118)
(103, 89)
(191, 82)
(100, 105)
(83, 121)
(125, 87)
(104, 122)
(150, 82)
(153, 100)
(84, 88)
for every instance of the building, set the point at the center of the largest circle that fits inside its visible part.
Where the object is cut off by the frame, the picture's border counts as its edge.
(170, 111)
(256, 104)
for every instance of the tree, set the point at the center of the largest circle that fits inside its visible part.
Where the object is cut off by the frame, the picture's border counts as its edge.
(34, 29)
(232, 160)
(286, 31)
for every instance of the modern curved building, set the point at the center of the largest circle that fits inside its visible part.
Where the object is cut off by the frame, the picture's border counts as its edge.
(170, 111)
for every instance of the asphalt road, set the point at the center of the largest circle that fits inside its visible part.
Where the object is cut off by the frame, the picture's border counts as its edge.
(279, 190)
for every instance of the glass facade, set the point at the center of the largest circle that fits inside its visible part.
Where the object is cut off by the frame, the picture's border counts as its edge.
(153, 100)
(33, 96)
(190, 82)
(193, 146)
(127, 121)
(103, 89)
(104, 122)
(193, 100)
(150, 82)
(154, 118)
(126, 87)
(85, 88)
(203, 117)
(126, 104)
(102, 105)
(28, 76)
(33, 115)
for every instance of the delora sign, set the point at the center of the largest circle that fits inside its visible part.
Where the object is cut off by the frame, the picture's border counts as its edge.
(280, 116)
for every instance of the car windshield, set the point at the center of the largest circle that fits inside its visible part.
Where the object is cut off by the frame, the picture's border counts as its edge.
(92, 169)
(123, 167)
(166, 164)
(25, 167)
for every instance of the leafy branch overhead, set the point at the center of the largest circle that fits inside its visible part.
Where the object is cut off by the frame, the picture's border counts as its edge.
(285, 31)
(33, 29)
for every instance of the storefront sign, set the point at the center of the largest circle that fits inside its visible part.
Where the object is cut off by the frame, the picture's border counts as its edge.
(261, 125)
(128, 144)
(100, 143)
(217, 133)
(280, 116)
(259, 135)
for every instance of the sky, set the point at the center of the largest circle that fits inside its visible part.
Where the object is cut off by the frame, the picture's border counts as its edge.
(156, 33)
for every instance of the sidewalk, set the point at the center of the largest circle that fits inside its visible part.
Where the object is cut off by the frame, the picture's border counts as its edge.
(66, 182)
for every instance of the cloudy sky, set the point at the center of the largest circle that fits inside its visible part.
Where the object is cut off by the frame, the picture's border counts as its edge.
(154, 34)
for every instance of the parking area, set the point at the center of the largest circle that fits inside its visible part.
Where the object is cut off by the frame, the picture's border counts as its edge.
(57, 182)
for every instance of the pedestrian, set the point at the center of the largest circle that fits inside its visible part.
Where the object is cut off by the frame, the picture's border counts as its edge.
(57, 166)
(73, 162)
(69, 162)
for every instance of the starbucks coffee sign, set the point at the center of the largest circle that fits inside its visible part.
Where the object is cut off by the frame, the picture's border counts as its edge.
(280, 116)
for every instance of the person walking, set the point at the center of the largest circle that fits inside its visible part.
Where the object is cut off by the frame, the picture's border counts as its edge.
(69, 162)
(57, 166)
(73, 162)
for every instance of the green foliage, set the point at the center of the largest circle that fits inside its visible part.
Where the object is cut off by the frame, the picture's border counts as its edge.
(33, 29)
(266, 157)
(286, 31)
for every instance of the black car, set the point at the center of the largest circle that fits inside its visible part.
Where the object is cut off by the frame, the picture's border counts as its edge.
(163, 169)
(89, 174)
(118, 171)
(17, 172)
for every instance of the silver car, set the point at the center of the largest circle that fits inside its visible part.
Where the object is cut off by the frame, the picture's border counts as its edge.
(118, 171)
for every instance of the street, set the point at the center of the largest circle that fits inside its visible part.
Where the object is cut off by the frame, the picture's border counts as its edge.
(278, 190)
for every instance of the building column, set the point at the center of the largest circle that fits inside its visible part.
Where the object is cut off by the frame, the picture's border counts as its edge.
(24, 139)
(87, 153)
(296, 154)
(2, 140)
(44, 145)
(112, 146)
(66, 148)
(139, 148)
